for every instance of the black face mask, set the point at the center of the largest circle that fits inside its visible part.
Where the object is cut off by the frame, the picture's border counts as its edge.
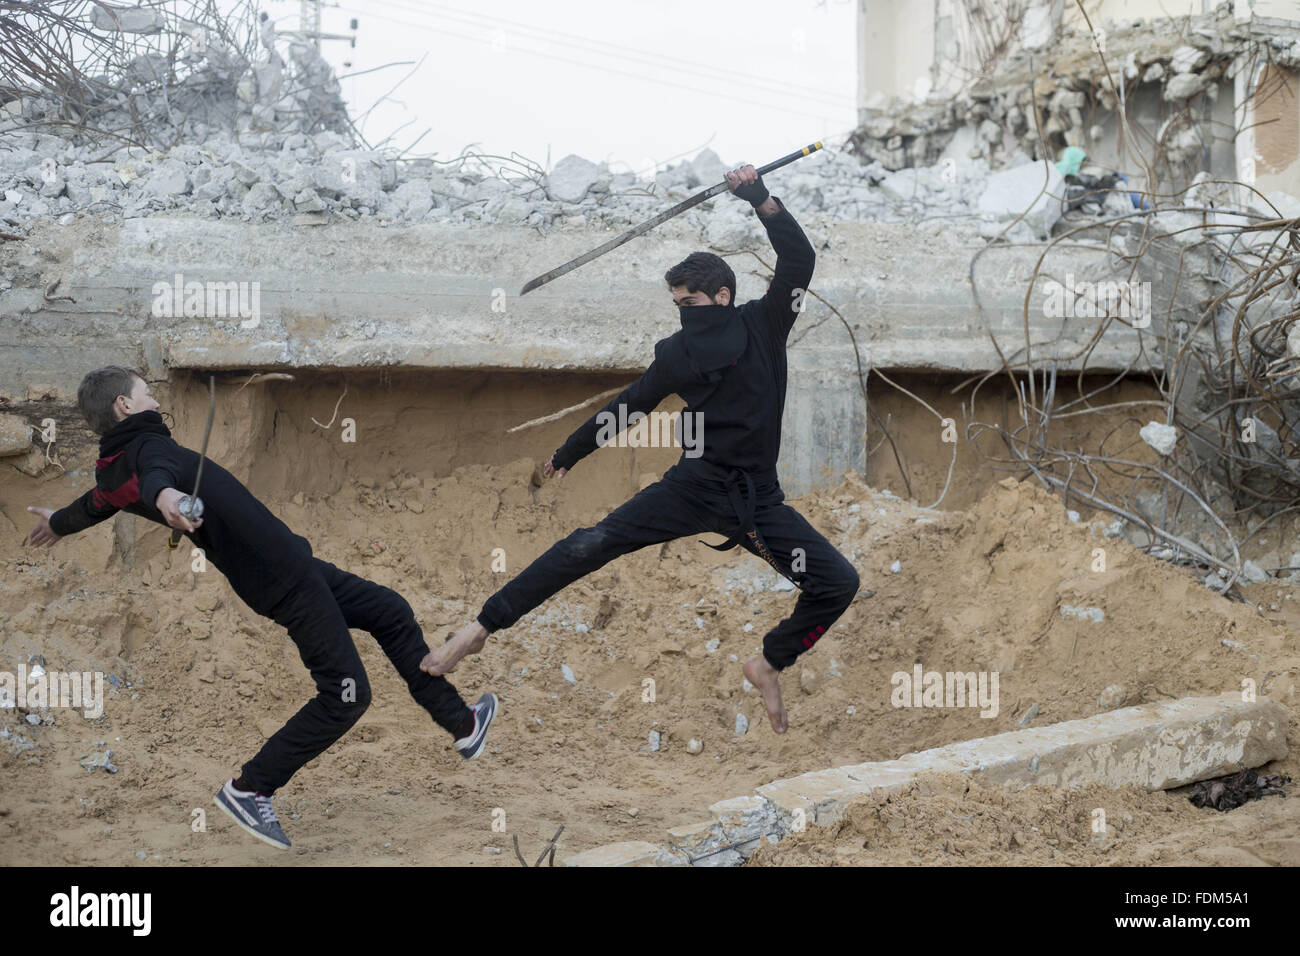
(715, 335)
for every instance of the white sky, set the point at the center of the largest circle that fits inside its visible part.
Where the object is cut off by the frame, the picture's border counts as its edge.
(624, 81)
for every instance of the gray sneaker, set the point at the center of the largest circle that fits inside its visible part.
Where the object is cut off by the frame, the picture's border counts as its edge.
(485, 711)
(253, 812)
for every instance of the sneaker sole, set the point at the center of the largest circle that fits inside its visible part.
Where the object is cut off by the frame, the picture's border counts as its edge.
(247, 829)
(496, 709)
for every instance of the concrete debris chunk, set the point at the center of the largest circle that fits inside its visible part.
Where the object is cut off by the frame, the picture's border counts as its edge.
(1159, 436)
(573, 177)
(1035, 189)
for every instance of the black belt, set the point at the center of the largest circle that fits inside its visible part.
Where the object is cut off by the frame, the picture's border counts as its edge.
(744, 509)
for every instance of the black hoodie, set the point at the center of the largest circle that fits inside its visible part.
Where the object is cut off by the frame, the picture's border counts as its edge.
(728, 364)
(138, 458)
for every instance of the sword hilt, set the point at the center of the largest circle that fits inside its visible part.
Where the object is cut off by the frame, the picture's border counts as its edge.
(786, 160)
(191, 509)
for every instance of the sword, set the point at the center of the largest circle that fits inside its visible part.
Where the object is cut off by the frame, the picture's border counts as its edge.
(649, 224)
(191, 505)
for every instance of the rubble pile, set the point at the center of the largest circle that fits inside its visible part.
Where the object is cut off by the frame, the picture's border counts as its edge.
(159, 75)
(993, 117)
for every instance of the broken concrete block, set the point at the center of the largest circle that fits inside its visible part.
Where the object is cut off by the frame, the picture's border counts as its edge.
(1188, 59)
(694, 838)
(126, 19)
(734, 833)
(1183, 85)
(1253, 573)
(1012, 191)
(632, 853)
(573, 177)
(706, 169)
(211, 183)
(261, 198)
(308, 201)
(741, 818)
(15, 435)
(417, 197)
(357, 174)
(1159, 436)
(169, 178)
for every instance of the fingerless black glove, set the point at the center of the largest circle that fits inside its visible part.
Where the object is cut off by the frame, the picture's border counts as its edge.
(754, 193)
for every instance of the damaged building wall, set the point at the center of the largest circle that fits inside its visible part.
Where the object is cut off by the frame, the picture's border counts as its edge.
(1210, 92)
(1276, 129)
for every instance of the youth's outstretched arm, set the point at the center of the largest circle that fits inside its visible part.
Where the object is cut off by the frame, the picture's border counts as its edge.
(643, 395)
(90, 509)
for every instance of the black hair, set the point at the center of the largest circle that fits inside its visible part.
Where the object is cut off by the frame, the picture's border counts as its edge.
(703, 272)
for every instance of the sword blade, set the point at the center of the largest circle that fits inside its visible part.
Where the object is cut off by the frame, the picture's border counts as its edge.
(207, 431)
(175, 538)
(663, 217)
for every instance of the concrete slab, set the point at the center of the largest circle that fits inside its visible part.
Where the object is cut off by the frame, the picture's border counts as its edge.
(1155, 746)
(445, 296)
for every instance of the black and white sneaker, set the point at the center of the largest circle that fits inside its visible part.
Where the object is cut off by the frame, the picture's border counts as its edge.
(253, 812)
(485, 711)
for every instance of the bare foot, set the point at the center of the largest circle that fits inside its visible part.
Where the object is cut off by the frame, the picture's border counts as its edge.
(764, 676)
(468, 640)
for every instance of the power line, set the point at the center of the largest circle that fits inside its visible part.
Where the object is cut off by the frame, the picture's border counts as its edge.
(591, 45)
(602, 68)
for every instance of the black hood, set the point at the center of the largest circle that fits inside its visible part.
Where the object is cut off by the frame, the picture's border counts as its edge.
(714, 335)
(130, 428)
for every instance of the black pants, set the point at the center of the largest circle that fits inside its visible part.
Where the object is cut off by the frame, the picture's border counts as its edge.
(318, 614)
(693, 502)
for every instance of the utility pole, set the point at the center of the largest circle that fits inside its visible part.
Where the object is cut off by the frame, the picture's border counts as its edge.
(309, 26)
(309, 20)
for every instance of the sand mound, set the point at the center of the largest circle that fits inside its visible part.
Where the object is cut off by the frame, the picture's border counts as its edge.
(203, 681)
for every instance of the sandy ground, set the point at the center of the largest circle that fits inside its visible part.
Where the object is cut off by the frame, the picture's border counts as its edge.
(204, 681)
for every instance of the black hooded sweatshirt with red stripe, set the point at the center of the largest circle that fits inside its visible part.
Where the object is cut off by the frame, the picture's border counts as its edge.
(253, 548)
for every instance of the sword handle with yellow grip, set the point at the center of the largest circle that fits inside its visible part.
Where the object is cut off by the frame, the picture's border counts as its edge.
(786, 160)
